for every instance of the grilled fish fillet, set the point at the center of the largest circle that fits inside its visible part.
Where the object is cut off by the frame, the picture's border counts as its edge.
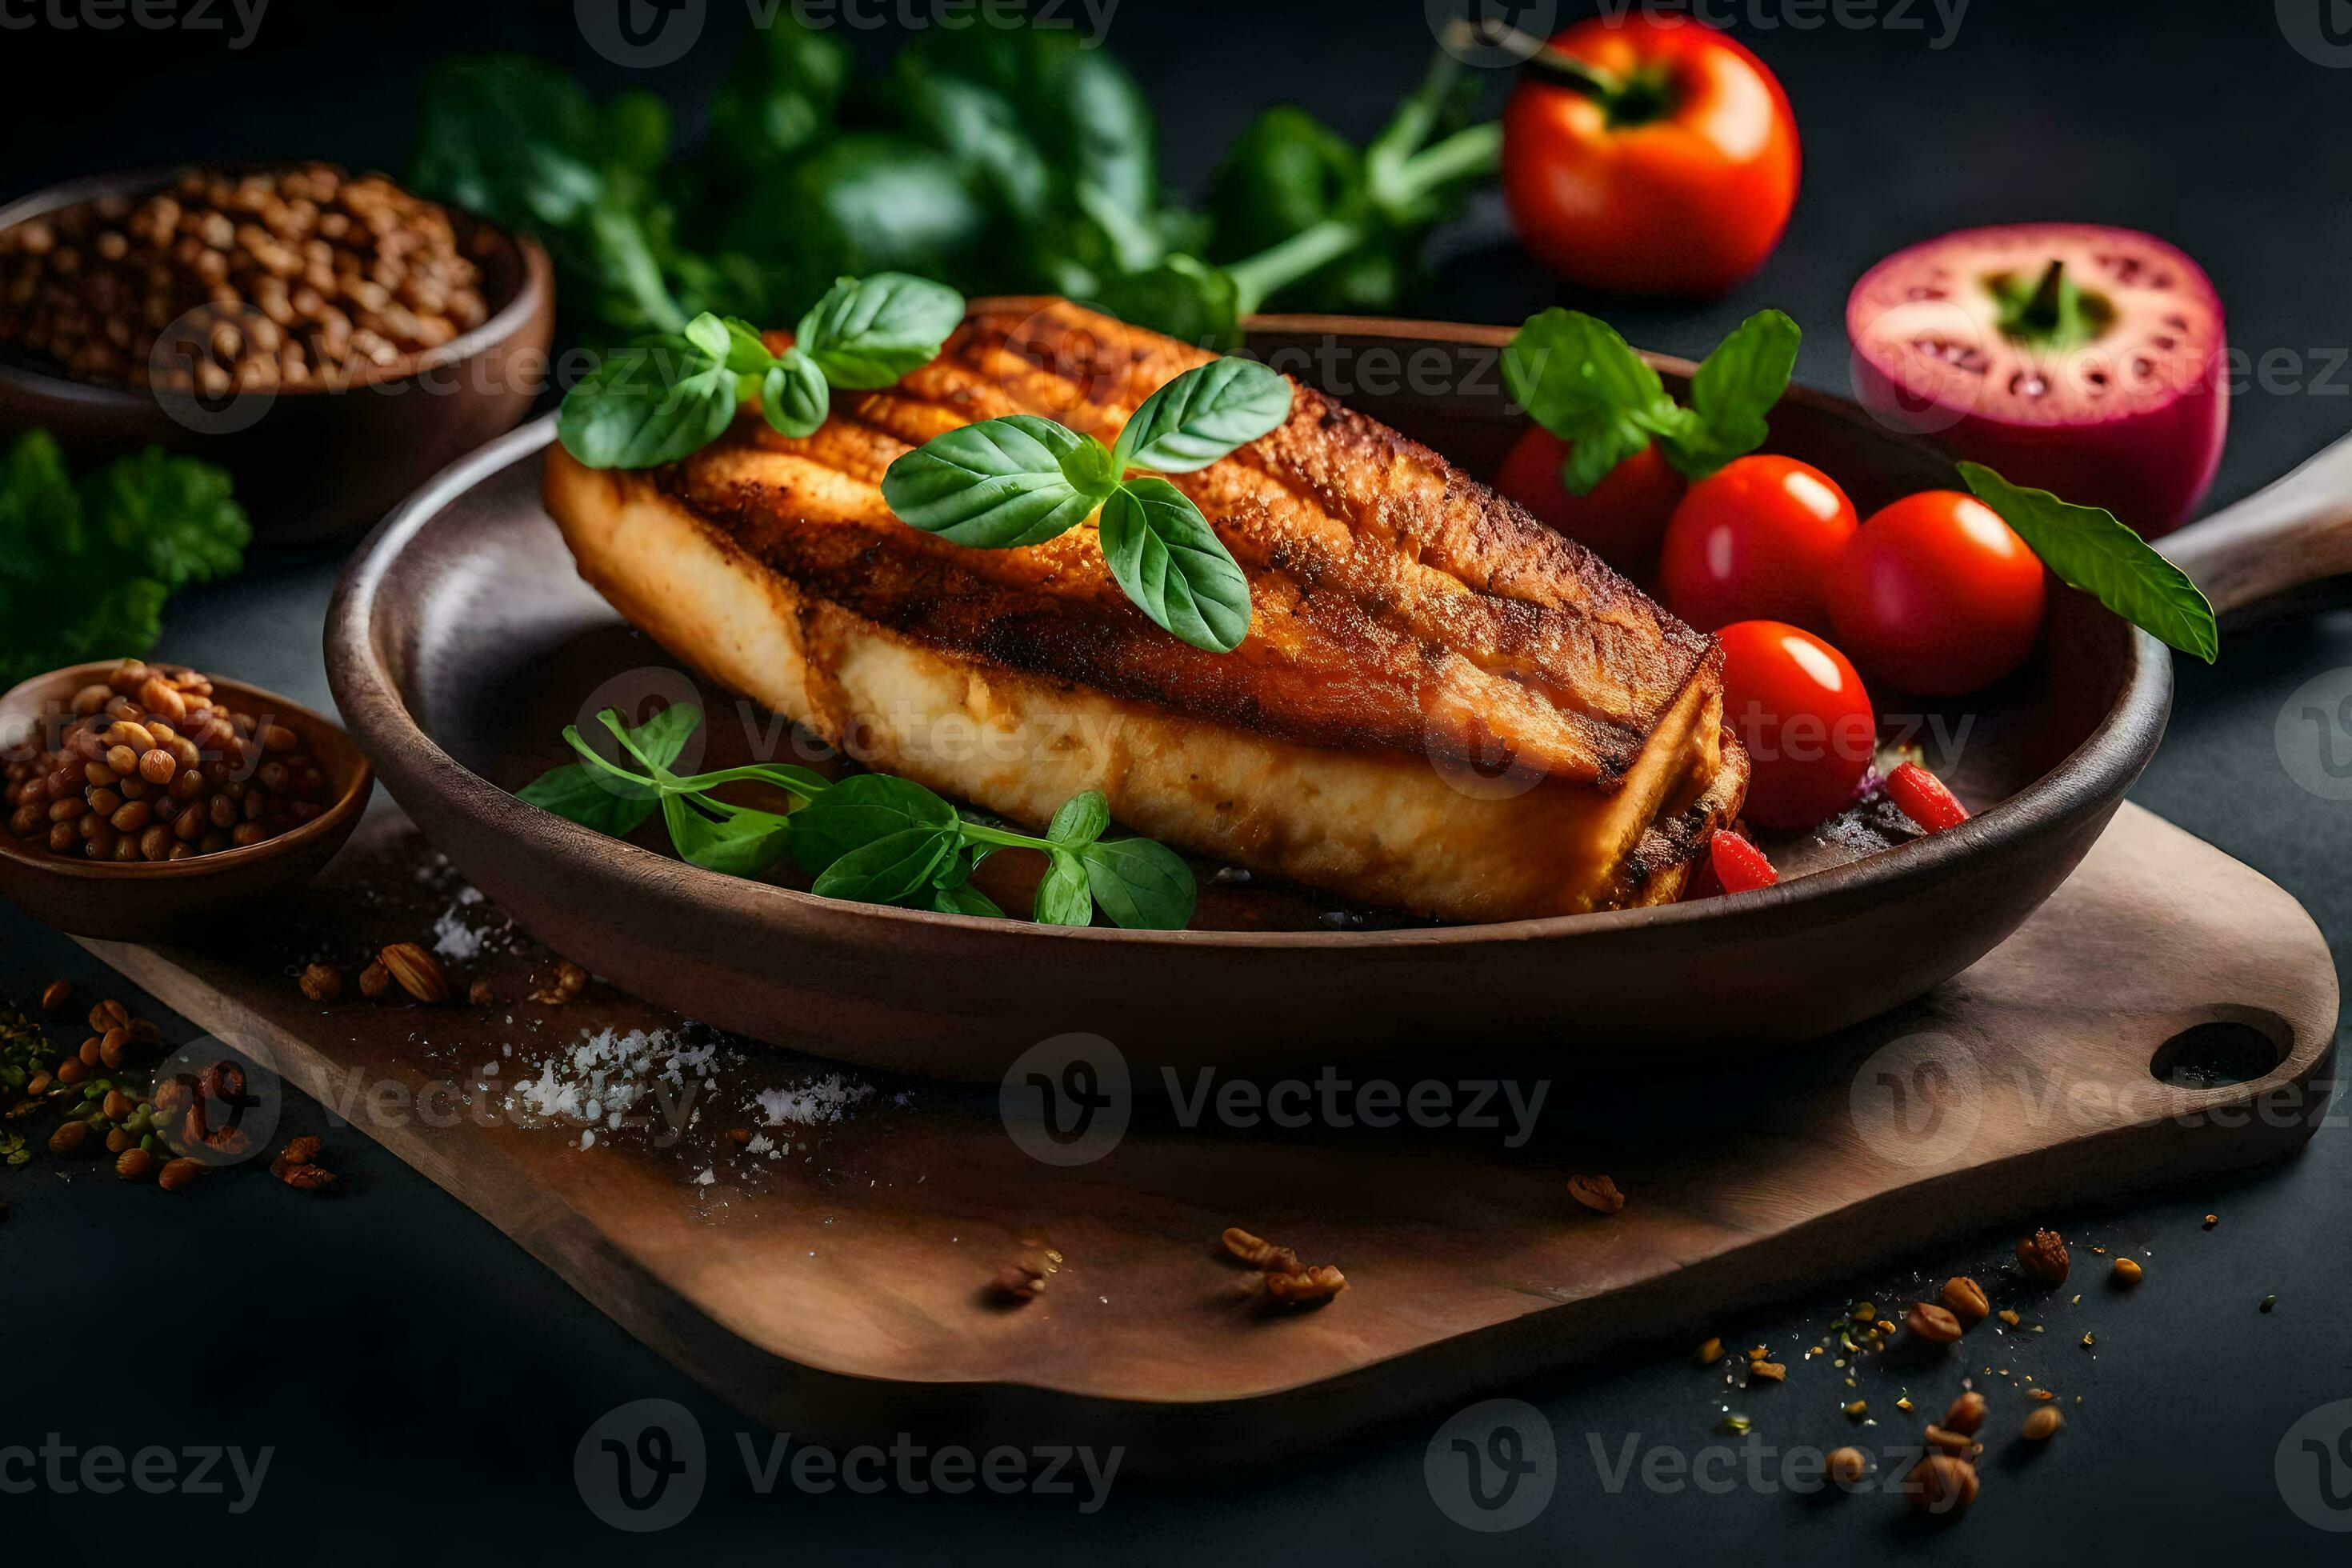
(1441, 706)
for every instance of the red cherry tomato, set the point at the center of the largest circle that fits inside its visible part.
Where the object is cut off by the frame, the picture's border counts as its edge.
(1620, 520)
(1799, 709)
(1740, 866)
(1657, 158)
(1938, 596)
(1921, 796)
(1755, 541)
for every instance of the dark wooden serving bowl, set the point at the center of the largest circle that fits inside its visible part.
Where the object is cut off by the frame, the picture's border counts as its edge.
(311, 465)
(145, 900)
(460, 639)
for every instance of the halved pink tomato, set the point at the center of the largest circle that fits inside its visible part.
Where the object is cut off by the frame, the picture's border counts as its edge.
(2087, 360)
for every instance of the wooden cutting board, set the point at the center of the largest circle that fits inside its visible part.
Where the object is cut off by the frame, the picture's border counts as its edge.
(836, 1286)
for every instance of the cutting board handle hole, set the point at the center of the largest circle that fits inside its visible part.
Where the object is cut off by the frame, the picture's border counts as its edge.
(2221, 1052)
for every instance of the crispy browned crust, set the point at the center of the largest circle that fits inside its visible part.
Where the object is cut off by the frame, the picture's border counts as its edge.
(1660, 868)
(1397, 606)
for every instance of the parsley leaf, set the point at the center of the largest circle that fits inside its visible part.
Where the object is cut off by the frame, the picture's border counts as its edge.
(85, 568)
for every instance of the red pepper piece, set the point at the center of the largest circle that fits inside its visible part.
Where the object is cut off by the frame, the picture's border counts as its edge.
(1922, 797)
(1740, 866)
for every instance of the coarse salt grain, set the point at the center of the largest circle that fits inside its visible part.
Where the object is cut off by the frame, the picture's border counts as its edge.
(821, 1099)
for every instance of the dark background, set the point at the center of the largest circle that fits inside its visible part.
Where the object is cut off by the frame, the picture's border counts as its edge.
(424, 1382)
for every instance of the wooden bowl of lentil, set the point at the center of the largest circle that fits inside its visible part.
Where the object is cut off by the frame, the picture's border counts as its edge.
(141, 899)
(313, 457)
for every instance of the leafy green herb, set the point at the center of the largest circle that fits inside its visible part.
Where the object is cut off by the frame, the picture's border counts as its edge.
(1139, 883)
(872, 838)
(1001, 483)
(1580, 379)
(1024, 479)
(1063, 898)
(663, 400)
(85, 568)
(1166, 558)
(868, 334)
(2090, 549)
(1003, 160)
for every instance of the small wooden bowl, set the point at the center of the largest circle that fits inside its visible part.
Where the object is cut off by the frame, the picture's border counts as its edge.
(144, 900)
(310, 465)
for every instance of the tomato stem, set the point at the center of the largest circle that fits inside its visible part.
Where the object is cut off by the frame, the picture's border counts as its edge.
(2053, 312)
(1634, 100)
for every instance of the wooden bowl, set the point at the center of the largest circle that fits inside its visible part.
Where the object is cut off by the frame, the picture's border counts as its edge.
(146, 900)
(310, 465)
(461, 640)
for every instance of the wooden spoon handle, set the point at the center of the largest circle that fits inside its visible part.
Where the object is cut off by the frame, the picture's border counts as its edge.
(2286, 535)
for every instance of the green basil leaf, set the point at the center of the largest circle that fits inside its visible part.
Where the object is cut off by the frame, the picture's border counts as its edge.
(884, 870)
(747, 354)
(794, 398)
(1733, 388)
(1580, 379)
(1170, 562)
(862, 810)
(868, 333)
(644, 406)
(591, 797)
(1081, 820)
(659, 739)
(739, 842)
(1140, 885)
(1063, 898)
(1001, 483)
(710, 334)
(963, 899)
(2090, 549)
(1202, 415)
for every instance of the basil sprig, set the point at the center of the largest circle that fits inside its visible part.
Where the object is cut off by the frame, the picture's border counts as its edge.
(1580, 379)
(872, 838)
(2090, 549)
(664, 398)
(1023, 479)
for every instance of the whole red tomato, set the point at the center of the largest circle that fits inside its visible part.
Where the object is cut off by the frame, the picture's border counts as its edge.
(1620, 520)
(1649, 154)
(1936, 594)
(1799, 709)
(1754, 540)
